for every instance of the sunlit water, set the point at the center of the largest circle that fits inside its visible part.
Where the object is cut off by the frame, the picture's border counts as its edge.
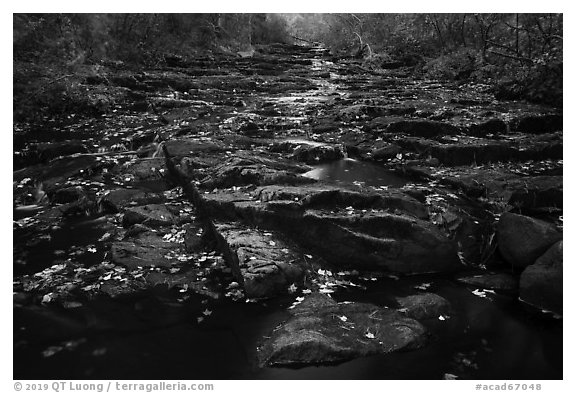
(350, 171)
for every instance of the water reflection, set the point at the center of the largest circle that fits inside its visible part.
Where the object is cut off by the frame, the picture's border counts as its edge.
(352, 171)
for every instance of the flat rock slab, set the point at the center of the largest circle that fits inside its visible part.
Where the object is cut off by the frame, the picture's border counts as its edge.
(119, 199)
(338, 225)
(154, 215)
(144, 169)
(192, 147)
(310, 153)
(263, 263)
(145, 250)
(321, 330)
(58, 170)
(465, 150)
(521, 191)
(320, 195)
(240, 172)
(425, 306)
(51, 150)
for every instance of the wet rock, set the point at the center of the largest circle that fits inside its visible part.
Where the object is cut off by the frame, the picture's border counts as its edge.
(68, 194)
(541, 283)
(240, 172)
(522, 239)
(537, 124)
(263, 263)
(135, 230)
(193, 238)
(520, 191)
(536, 192)
(463, 150)
(144, 250)
(128, 81)
(338, 225)
(144, 169)
(250, 129)
(378, 241)
(400, 110)
(58, 170)
(317, 154)
(117, 200)
(425, 306)
(357, 111)
(324, 196)
(153, 215)
(189, 280)
(51, 150)
(86, 205)
(325, 126)
(422, 128)
(387, 152)
(495, 281)
(493, 126)
(323, 331)
(192, 147)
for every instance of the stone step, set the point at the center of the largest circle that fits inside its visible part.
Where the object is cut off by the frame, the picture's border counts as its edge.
(263, 262)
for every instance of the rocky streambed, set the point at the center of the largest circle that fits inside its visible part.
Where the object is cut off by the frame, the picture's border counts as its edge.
(288, 215)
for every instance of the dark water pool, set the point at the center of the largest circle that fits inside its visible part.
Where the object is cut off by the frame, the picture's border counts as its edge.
(487, 338)
(351, 171)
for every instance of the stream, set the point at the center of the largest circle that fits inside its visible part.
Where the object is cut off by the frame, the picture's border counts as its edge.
(177, 243)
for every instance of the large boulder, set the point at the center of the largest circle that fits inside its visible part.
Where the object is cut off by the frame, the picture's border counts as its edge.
(522, 239)
(541, 283)
(320, 330)
(364, 231)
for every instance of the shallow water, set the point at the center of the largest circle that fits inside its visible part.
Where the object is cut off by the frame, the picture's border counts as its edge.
(487, 338)
(351, 171)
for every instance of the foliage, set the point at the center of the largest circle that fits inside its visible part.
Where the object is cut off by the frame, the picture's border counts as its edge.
(137, 38)
(520, 53)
